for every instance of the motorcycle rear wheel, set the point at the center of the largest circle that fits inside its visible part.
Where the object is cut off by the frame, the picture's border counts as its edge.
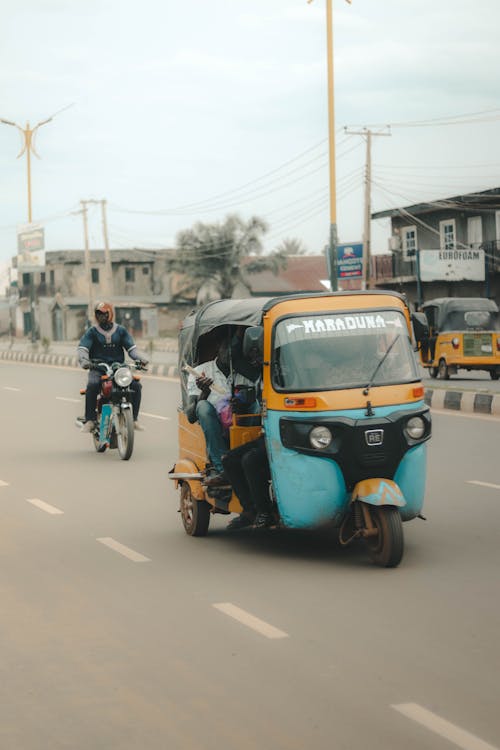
(100, 448)
(125, 434)
(386, 549)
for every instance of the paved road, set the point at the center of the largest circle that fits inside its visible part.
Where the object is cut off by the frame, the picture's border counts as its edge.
(119, 631)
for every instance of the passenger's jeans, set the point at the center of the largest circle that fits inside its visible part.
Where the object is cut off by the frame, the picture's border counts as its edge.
(217, 443)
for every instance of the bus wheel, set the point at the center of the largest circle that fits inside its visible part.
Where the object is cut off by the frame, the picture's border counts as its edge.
(195, 513)
(494, 374)
(386, 548)
(444, 372)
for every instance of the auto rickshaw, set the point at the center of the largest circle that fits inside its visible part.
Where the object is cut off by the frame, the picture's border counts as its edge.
(343, 414)
(464, 333)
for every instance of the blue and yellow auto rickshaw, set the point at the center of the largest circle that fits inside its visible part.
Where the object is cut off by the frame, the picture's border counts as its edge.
(343, 415)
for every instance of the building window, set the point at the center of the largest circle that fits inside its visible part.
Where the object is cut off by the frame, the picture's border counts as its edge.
(42, 277)
(95, 275)
(52, 277)
(130, 274)
(474, 231)
(145, 270)
(26, 279)
(447, 234)
(409, 242)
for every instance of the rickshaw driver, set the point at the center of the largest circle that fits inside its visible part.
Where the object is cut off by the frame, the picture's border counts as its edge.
(203, 400)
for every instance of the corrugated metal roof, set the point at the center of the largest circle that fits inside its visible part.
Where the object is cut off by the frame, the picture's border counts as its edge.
(302, 274)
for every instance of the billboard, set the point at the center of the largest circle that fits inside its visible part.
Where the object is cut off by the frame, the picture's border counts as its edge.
(30, 238)
(350, 261)
(452, 265)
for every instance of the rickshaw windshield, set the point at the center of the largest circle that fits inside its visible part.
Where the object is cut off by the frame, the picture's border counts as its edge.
(463, 320)
(339, 350)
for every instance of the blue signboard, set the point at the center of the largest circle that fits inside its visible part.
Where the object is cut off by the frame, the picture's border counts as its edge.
(350, 261)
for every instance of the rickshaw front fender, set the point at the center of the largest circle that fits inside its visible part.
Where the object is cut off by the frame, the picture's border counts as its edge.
(378, 492)
(188, 468)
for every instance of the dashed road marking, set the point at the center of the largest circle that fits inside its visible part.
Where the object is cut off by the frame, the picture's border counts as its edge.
(71, 400)
(45, 506)
(484, 484)
(3, 484)
(444, 728)
(10, 388)
(125, 551)
(154, 416)
(269, 631)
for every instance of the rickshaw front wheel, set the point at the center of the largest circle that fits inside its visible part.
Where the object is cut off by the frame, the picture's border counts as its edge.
(386, 548)
(195, 513)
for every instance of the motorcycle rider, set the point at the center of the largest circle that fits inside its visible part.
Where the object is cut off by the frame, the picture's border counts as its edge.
(107, 342)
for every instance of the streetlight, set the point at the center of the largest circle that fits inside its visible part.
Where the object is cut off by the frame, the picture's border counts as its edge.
(332, 247)
(28, 146)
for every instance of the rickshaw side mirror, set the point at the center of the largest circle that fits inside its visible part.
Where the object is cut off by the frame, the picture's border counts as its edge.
(420, 326)
(253, 343)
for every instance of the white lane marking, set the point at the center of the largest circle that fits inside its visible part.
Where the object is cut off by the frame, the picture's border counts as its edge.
(3, 484)
(154, 416)
(8, 388)
(444, 728)
(125, 551)
(72, 400)
(484, 484)
(269, 631)
(45, 506)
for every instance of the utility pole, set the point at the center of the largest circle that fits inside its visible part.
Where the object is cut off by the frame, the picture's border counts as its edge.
(108, 274)
(367, 133)
(84, 211)
(332, 245)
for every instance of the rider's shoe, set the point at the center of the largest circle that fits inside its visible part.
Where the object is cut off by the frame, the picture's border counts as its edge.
(243, 521)
(264, 521)
(216, 480)
(138, 426)
(88, 426)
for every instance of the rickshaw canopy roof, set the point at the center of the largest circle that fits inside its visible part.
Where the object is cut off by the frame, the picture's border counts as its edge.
(446, 306)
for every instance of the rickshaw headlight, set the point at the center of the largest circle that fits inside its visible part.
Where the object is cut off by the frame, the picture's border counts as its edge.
(123, 377)
(415, 428)
(455, 342)
(320, 437)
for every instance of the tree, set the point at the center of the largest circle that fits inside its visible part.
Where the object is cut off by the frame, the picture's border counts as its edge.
(215, 252)
(291, 246)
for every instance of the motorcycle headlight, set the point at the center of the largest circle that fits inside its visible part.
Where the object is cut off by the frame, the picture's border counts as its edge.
(415, 428)
(320, 437)
(123, 377)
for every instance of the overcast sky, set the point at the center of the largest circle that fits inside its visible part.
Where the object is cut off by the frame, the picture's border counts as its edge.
(198, 108)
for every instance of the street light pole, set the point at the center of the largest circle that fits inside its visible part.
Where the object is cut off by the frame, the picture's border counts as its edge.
(333, 238)
(28, 146)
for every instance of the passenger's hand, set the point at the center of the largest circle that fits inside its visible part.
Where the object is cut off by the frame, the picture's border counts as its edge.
(204, 383)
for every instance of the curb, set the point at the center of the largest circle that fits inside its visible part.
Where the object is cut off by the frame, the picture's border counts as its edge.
(467, 401)
(162, 371)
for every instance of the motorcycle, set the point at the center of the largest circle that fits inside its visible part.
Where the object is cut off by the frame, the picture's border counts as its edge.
(114, 422)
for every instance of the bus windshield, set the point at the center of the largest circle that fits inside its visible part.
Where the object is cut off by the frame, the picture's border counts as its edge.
(337, 350)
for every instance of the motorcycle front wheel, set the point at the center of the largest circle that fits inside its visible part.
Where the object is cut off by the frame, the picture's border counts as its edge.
(386, 548)
(125, 434)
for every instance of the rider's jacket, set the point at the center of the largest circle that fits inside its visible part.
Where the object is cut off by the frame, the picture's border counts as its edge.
(107, 346)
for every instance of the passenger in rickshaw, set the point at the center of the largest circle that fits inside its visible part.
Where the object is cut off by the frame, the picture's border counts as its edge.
(214, 386)
(247, 468)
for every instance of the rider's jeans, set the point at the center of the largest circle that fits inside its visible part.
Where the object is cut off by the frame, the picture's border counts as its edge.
(217, 443)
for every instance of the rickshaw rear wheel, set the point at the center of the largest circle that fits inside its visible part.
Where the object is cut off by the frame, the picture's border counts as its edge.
(494, 375)
(195, 513)
(433, 372)
(386, 549)
(443, 370)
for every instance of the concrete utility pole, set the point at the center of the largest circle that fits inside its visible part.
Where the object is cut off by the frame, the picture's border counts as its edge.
(88, 274)
(333, 239)
(366, 132)
(108, 275)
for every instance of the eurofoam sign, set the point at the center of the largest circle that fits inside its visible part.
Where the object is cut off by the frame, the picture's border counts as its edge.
(452, 265)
